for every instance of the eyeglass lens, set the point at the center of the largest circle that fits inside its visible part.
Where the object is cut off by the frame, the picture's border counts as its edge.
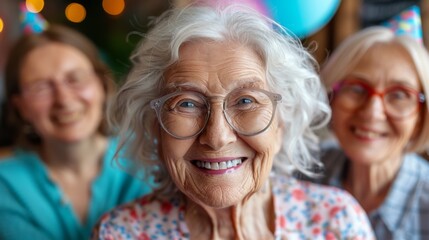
(399, 101)
(75, 80)
(185, 114)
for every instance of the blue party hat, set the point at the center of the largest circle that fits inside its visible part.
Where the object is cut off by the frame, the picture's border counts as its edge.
(408, 22)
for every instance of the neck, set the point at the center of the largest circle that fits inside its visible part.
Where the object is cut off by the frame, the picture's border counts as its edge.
(246, 220)
(78, 157)
(73, 167)
(370, 184)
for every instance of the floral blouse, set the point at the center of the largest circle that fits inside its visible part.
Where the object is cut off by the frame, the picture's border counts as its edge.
(303, 210)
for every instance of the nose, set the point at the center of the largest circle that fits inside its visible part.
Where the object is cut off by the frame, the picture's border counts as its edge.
(61, 93)
(373, 108)
(218, 132)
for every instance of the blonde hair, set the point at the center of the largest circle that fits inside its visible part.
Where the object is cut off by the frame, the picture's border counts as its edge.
(350, 52)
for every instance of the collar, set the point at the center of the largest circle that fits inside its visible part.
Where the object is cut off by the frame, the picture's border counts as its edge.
(392, 212)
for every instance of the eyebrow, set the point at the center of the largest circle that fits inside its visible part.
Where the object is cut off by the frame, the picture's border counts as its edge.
(391, 82)
(238, 83)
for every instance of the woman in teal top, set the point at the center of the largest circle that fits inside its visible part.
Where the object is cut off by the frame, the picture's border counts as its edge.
(33, 206)
(61, 177)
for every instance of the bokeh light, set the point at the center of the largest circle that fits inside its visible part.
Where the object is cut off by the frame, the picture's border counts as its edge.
(1, 25)
(35, 6)
(113, 7)
(75, 12)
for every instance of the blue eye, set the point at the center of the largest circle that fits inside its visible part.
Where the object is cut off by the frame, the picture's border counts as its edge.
(187, 104)
(245, 101)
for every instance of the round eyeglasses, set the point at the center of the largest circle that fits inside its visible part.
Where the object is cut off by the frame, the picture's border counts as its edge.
(75, 80)
(399, 101)
(184, 114)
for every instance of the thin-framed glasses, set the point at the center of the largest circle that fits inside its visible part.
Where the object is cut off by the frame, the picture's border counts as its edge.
(399, 101)
(184, 114)
(75, 80)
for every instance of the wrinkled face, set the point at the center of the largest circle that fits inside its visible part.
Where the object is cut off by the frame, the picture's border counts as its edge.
(61, 96)
(367, 134)
(214, 69)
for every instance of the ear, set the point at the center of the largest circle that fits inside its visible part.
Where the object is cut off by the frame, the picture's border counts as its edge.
(157, 134)
(19, 103)
(279, 137)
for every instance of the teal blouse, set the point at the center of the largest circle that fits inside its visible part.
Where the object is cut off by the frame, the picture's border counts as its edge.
(32, 206)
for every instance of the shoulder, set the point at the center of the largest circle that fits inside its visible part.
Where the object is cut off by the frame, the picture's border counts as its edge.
(308, 191)
(331, 152)
(17, 162)
(328, 209)
(113, 165)
(5, 152)
(333, 161)
(422, 163)
(147, 215)
(118, 180)
(416, 167)
(321, 196)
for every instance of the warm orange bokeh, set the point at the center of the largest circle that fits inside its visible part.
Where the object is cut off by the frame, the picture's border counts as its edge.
(75, 12)
(1, 25)
(35, 6)
(114, 7)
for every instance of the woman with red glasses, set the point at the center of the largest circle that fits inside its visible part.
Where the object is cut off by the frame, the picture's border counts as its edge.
(378, 84)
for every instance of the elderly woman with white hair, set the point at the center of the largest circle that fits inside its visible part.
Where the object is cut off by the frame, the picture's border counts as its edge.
(379, 83)
(220, 105)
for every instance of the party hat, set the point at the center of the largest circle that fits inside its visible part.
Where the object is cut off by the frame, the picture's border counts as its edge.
(408, 22)
(31, 22)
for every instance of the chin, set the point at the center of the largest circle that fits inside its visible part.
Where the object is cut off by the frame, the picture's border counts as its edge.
(214, 199)
(217, 203)
(74, 138)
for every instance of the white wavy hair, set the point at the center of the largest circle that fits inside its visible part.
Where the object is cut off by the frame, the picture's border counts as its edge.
(290, 71)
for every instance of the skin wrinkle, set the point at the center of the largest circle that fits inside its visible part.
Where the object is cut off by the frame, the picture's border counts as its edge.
(214, 197)
(374, 164)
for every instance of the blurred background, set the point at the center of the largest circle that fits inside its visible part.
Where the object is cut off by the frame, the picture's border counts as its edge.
(110, 24)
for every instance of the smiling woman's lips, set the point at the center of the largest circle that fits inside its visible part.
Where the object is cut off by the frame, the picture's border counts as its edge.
(367, 133)
(218, 167)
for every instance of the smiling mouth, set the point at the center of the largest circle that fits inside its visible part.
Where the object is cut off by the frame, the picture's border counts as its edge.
(367, 133)
(68, 118)
(218, 165)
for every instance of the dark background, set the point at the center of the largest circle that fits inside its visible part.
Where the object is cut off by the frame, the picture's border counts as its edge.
(108, 32)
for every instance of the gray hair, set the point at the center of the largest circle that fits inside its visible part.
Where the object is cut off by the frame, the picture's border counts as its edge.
(290, 71)
(351, 51)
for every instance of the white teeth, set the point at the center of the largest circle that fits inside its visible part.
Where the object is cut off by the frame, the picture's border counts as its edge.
(215, 166)
(219, 165)
(222, 165)
(207, 165)
(367, 134)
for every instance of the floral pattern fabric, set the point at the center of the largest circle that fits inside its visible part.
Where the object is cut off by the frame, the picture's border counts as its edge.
(303, 211)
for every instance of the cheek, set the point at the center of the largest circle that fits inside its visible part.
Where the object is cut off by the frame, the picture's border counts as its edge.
(173, 153)
(266, 146)
(34, 112)
(339, 119)
(407, 129)
(93, 94)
